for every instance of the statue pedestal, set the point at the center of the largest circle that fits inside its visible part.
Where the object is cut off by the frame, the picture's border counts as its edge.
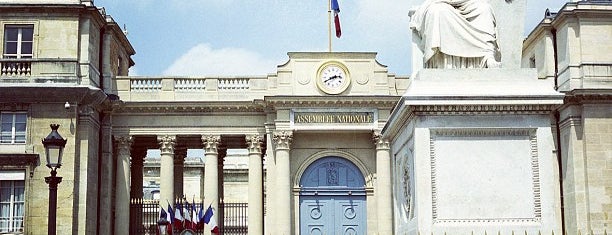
(473, 152)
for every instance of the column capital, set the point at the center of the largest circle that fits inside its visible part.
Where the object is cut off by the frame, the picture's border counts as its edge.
(254, 143)
(166, 144)
(211, 143)
(124, 142)
(380, 142)
(282, 139)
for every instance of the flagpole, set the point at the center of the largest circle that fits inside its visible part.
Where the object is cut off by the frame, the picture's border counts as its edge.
(329, 29)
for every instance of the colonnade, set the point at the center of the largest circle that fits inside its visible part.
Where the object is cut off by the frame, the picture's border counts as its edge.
(281, 216)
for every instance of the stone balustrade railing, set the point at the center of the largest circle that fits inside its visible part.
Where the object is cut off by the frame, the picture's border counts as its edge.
(38, 70)
(146, 85)
(234, 84)
(15, 68)
(190, 88)
(188, 84)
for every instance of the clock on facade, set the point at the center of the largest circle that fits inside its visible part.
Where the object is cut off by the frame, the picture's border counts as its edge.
(333, 78)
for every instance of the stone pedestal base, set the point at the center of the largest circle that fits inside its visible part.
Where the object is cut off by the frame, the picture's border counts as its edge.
(474, 152)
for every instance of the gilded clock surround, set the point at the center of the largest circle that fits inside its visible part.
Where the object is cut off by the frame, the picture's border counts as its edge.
(325, 87)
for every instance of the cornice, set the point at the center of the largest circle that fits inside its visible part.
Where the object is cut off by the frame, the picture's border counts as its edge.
(19, 159)
(583, 9)
(588, 96)
(257, 106)
(53, 93)
(331, 101)
(404, 113)
(484, 109)
(189, 107)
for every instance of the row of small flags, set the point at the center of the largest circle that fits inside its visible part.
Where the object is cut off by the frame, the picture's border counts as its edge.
(189, 217)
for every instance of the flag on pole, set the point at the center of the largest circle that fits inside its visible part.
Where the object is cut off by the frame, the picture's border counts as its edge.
(178, 218)
(187, 215)
(170, 217)
(336, 8)
(200, 224)
(163, 214)
(194, 216)
(210, 220)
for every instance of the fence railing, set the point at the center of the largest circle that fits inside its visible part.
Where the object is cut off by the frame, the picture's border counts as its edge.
(144, 215)
(235, 219)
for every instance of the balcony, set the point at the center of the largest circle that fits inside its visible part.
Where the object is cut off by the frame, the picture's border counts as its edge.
(38, 71)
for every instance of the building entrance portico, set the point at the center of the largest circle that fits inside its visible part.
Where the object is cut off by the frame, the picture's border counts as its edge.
(290, 119)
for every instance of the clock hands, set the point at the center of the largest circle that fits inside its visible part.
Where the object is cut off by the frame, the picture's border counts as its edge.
(332, 77)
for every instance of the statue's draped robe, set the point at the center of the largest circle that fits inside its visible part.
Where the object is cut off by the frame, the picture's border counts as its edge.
(459, 28)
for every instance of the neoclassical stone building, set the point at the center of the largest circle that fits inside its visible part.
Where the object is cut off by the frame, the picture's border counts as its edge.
(317, 121)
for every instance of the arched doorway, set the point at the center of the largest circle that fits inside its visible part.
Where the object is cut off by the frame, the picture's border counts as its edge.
(332, 198)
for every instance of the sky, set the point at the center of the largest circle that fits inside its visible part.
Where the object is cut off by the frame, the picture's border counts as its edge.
(252, 37)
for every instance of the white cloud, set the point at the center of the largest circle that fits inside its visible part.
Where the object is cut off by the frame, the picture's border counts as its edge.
(204, 60)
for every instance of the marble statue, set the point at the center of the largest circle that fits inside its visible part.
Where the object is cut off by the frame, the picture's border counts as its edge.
(456, 34)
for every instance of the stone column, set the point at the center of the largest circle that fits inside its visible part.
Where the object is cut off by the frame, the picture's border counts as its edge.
(122, 185)
(255, 214)
(136, 171)
(282, 141)
(180, 153)
(211, 177)
(136, 178)
(383, 189)
(166, 175)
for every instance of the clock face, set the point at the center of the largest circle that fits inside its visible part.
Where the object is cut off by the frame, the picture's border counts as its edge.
(333, 78)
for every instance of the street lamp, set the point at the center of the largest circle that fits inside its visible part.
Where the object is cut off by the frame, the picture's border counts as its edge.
(54, 147)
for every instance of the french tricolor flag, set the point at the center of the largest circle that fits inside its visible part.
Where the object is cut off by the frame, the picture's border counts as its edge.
(209, 219)
(336, 8)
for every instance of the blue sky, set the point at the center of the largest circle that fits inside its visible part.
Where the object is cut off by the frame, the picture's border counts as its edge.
(252, 37)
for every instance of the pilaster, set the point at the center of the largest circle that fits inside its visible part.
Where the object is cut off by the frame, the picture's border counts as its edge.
(86, 157)
(282, 143)
(383, 184)
(107, 162)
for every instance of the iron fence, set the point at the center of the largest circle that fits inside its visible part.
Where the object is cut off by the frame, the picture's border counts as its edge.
(144, 215)
(235, 219)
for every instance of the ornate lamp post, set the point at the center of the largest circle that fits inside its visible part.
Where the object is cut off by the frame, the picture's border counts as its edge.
(54, 147)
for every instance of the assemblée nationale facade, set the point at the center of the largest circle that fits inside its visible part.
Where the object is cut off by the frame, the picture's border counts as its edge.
(339, 134)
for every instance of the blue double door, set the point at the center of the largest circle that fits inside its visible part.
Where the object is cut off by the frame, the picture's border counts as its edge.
(332, 198)
(332, 215)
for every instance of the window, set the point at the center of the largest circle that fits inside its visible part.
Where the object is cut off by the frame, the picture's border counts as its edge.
(13, 129)
(12, 201)
(18, 41)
